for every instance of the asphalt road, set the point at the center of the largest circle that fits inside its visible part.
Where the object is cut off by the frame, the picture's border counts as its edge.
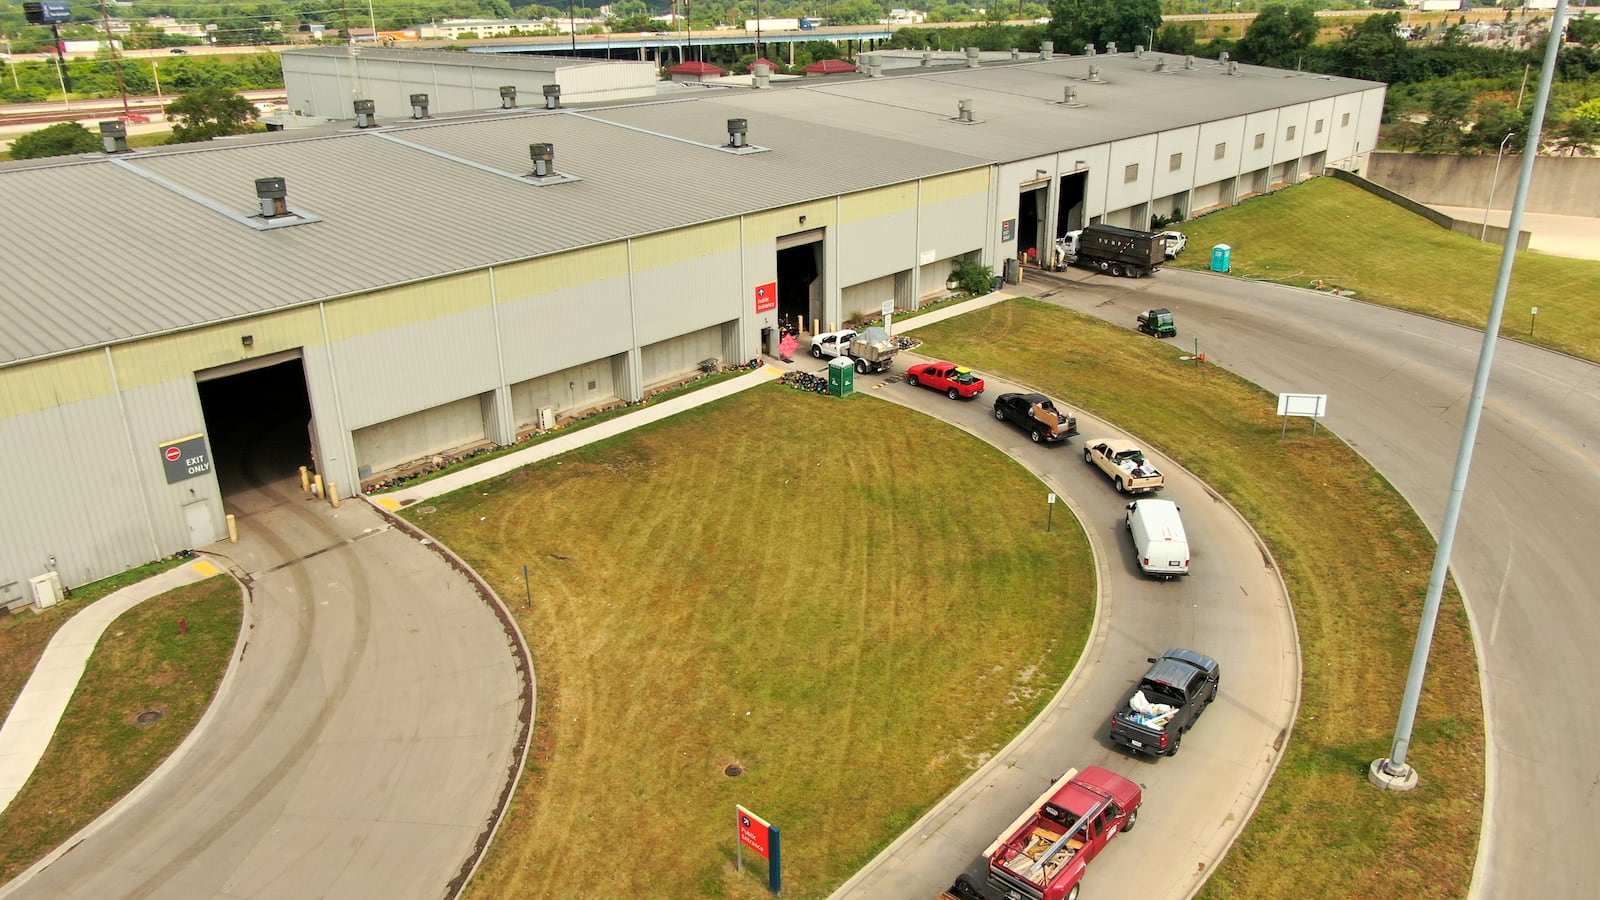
(1232, 607)
(359, 746)
(1398, 388)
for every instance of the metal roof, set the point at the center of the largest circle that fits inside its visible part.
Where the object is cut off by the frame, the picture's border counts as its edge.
(103, 249)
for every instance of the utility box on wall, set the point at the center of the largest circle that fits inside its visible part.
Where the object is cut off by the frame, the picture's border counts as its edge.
(47, 590)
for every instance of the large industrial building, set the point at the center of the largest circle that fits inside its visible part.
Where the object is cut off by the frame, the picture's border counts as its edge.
(182, 321)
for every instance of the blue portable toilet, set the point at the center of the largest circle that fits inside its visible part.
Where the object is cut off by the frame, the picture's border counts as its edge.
(1222, 258)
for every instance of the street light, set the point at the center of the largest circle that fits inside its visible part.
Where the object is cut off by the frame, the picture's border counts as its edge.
(1485, 230)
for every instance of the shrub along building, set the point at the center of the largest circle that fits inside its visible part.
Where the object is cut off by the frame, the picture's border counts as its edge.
(362, 296)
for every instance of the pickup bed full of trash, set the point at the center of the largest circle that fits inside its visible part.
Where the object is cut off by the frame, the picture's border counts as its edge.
(1151, 715)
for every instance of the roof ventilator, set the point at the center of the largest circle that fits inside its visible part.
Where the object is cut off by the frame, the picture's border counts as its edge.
(737, 129)
(972, 57)
(114, 136)
(964, 112)
(1047, 49)
(1222, 58)
(1016, 54)
(761, 76)
(1088, 49)
(544, 159)
(1138, 51)
(274, 196)
(1188, 62)
(1111, 48)
(419, 106)
(1161, 64)
(927, 60)
(1070, 98)
(552, 96)
(1233, 67)
(508, 96)
(366, 114)
(1094, 75)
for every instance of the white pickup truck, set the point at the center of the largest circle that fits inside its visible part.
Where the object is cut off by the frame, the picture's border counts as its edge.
(872, 348)
(1125, 464)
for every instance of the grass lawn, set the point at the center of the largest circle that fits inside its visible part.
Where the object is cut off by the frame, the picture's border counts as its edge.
(1329, 231)
(1356, 560)
(99, 751)
(843, 598)
(25, 634)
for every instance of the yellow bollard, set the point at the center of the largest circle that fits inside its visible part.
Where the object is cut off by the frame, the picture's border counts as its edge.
(333, 493)
(316, 486)
(305, 480)
(233, 529)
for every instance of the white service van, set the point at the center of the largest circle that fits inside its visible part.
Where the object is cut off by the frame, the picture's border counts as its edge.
(1159, 543)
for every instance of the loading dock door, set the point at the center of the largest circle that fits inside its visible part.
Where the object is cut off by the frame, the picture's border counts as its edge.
(799, 267)
(1069, 212)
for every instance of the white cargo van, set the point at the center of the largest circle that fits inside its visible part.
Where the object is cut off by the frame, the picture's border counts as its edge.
(1159, 543)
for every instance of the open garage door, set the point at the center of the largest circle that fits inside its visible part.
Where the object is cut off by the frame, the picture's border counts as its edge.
(257, 415)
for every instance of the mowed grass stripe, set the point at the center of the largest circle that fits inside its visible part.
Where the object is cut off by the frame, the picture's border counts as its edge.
(853, 602)
(99, 752)
(1329, 231)
(1356, 560)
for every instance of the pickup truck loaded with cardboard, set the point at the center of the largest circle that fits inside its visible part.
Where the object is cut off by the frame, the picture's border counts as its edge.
(1037, 415)
(1107, 248)
(1044, 853)
(872, 348)
(1166, 702)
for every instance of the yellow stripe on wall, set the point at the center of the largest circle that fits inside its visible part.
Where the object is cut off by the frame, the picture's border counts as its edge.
(556, 273)
(864, 205)
(53, 382)
(161, 359)
(669, 248)
(436, 298)
(955, 185)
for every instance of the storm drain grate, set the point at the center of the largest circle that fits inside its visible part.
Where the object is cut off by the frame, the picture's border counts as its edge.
(149, 717)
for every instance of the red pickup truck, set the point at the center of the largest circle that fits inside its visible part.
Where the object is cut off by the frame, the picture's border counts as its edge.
(956, 381)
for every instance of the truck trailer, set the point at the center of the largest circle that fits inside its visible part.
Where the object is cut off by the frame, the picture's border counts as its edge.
(1116, 251)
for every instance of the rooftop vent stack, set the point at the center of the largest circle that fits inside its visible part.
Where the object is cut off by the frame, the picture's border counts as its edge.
(737, 129)
(1015, 53)
(1233, 67)
(972, 57)
(366, 113)
(1161, 64)
(544, 159)
(508, 96)
(964, 110)
(1088, 49)
(1222, 57)
(762, 75)
(419, 106)
(552, 96)
(274, 196)
(927, 60)
(1111, 48)
(114, 136)
(1047, 49)
(1070, 96)
(1138, 51)
(1094, 75)
(1188, 62)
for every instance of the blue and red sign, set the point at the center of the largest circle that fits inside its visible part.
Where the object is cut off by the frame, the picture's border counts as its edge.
(759, 835)
(767, 297)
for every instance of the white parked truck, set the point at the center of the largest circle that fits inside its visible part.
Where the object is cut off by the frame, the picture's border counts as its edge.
(872, 348)
(1124, 463)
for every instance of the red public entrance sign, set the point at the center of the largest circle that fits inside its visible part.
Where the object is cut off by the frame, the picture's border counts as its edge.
(767, 297)
(754, 831)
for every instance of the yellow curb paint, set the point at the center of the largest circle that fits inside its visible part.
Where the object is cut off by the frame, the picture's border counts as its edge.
(388, 503)
(202, 567)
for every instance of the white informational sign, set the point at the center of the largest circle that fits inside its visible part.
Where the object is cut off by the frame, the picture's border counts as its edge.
(1052, 498)
(927, 257)
(1312, 405)
(888, 307)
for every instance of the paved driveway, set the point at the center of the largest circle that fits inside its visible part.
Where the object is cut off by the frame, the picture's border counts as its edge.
(1231, 607)
(360, 745)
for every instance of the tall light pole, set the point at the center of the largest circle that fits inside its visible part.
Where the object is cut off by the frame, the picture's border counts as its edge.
(1492, 181)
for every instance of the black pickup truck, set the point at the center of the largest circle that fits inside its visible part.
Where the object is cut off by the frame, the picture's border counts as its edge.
(1166, 702)
(1037, 415)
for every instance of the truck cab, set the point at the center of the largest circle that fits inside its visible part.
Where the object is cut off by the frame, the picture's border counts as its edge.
(832, 344)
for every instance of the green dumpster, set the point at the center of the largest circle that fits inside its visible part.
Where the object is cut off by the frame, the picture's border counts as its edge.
(841, 377)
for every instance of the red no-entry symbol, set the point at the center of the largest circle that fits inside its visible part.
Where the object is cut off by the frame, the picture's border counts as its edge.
(173, 453)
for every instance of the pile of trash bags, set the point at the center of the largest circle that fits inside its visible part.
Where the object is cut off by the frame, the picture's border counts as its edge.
(1152, 715)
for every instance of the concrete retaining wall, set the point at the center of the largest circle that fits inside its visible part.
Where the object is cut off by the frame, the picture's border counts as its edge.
(1494, 234)
(1562, 185)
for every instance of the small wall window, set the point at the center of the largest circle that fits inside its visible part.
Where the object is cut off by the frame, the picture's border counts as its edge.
(1175, 163)
(1345, 121)
(1317, 129)
(1288, 133)
(1221, 151)
(1130, 174)
(1261, 139)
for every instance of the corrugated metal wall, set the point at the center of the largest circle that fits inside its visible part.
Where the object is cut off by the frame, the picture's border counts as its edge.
(567, 391)
(421, 434)
(678, 357)
(867, 297)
